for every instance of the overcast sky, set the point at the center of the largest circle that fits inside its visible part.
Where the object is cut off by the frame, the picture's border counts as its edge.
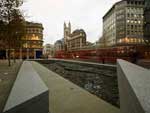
(85, 14)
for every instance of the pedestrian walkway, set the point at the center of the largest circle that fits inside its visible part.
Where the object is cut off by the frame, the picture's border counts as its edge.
(66, 97)
(7, 78)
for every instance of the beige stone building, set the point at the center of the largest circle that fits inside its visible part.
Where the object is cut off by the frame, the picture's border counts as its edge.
(73, 40)
(32, 42)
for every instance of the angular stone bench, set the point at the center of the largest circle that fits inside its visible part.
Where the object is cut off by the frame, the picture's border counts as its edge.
(29, 93)
(134, 88)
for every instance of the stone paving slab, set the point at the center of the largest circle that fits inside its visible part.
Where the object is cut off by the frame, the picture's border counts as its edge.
(7, 78)
(29, 93)
(66, 97)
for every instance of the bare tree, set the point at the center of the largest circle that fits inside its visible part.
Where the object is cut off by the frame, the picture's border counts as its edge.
(13, 21)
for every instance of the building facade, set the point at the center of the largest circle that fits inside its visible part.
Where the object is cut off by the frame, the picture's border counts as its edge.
(73, 40)
(32, 42)
(147, 21)
(123, 23)
(59, 45)
(101, 42)
(48, 51)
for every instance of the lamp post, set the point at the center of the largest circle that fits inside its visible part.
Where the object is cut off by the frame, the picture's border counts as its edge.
(27, 50)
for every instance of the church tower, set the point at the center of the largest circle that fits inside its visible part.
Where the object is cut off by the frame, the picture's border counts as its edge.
(69, 28)
(67, 32)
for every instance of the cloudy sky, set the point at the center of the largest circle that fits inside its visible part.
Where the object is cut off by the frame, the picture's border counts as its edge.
(85, 14)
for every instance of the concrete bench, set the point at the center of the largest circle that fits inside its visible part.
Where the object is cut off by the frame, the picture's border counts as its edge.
(29, 93)
(134, 88)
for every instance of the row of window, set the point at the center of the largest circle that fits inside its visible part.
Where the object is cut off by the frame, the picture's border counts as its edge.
(120, 12)
(33, 42)
(25, 45)
(130, 40)
(135, 2)
(78, 35)
(74, 46)
(32, 37)
(34, 30)
(134, 21)
(135, 26)
(120, 17)
(134, 10)
(130, 32)
(76, 43)
(132, 15)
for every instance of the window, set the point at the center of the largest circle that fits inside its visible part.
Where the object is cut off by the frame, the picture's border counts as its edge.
(139, 22)
(128, 21)
(139, 2)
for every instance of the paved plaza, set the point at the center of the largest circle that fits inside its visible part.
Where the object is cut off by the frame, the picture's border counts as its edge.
(7, 78)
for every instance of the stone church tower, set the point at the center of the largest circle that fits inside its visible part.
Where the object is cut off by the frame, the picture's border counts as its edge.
(67, 32)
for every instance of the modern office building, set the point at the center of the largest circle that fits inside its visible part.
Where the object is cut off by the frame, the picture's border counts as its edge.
(147, 21)
(123, 23)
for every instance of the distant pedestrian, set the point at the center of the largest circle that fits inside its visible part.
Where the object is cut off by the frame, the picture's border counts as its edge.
(103, 60)
(135, 56)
